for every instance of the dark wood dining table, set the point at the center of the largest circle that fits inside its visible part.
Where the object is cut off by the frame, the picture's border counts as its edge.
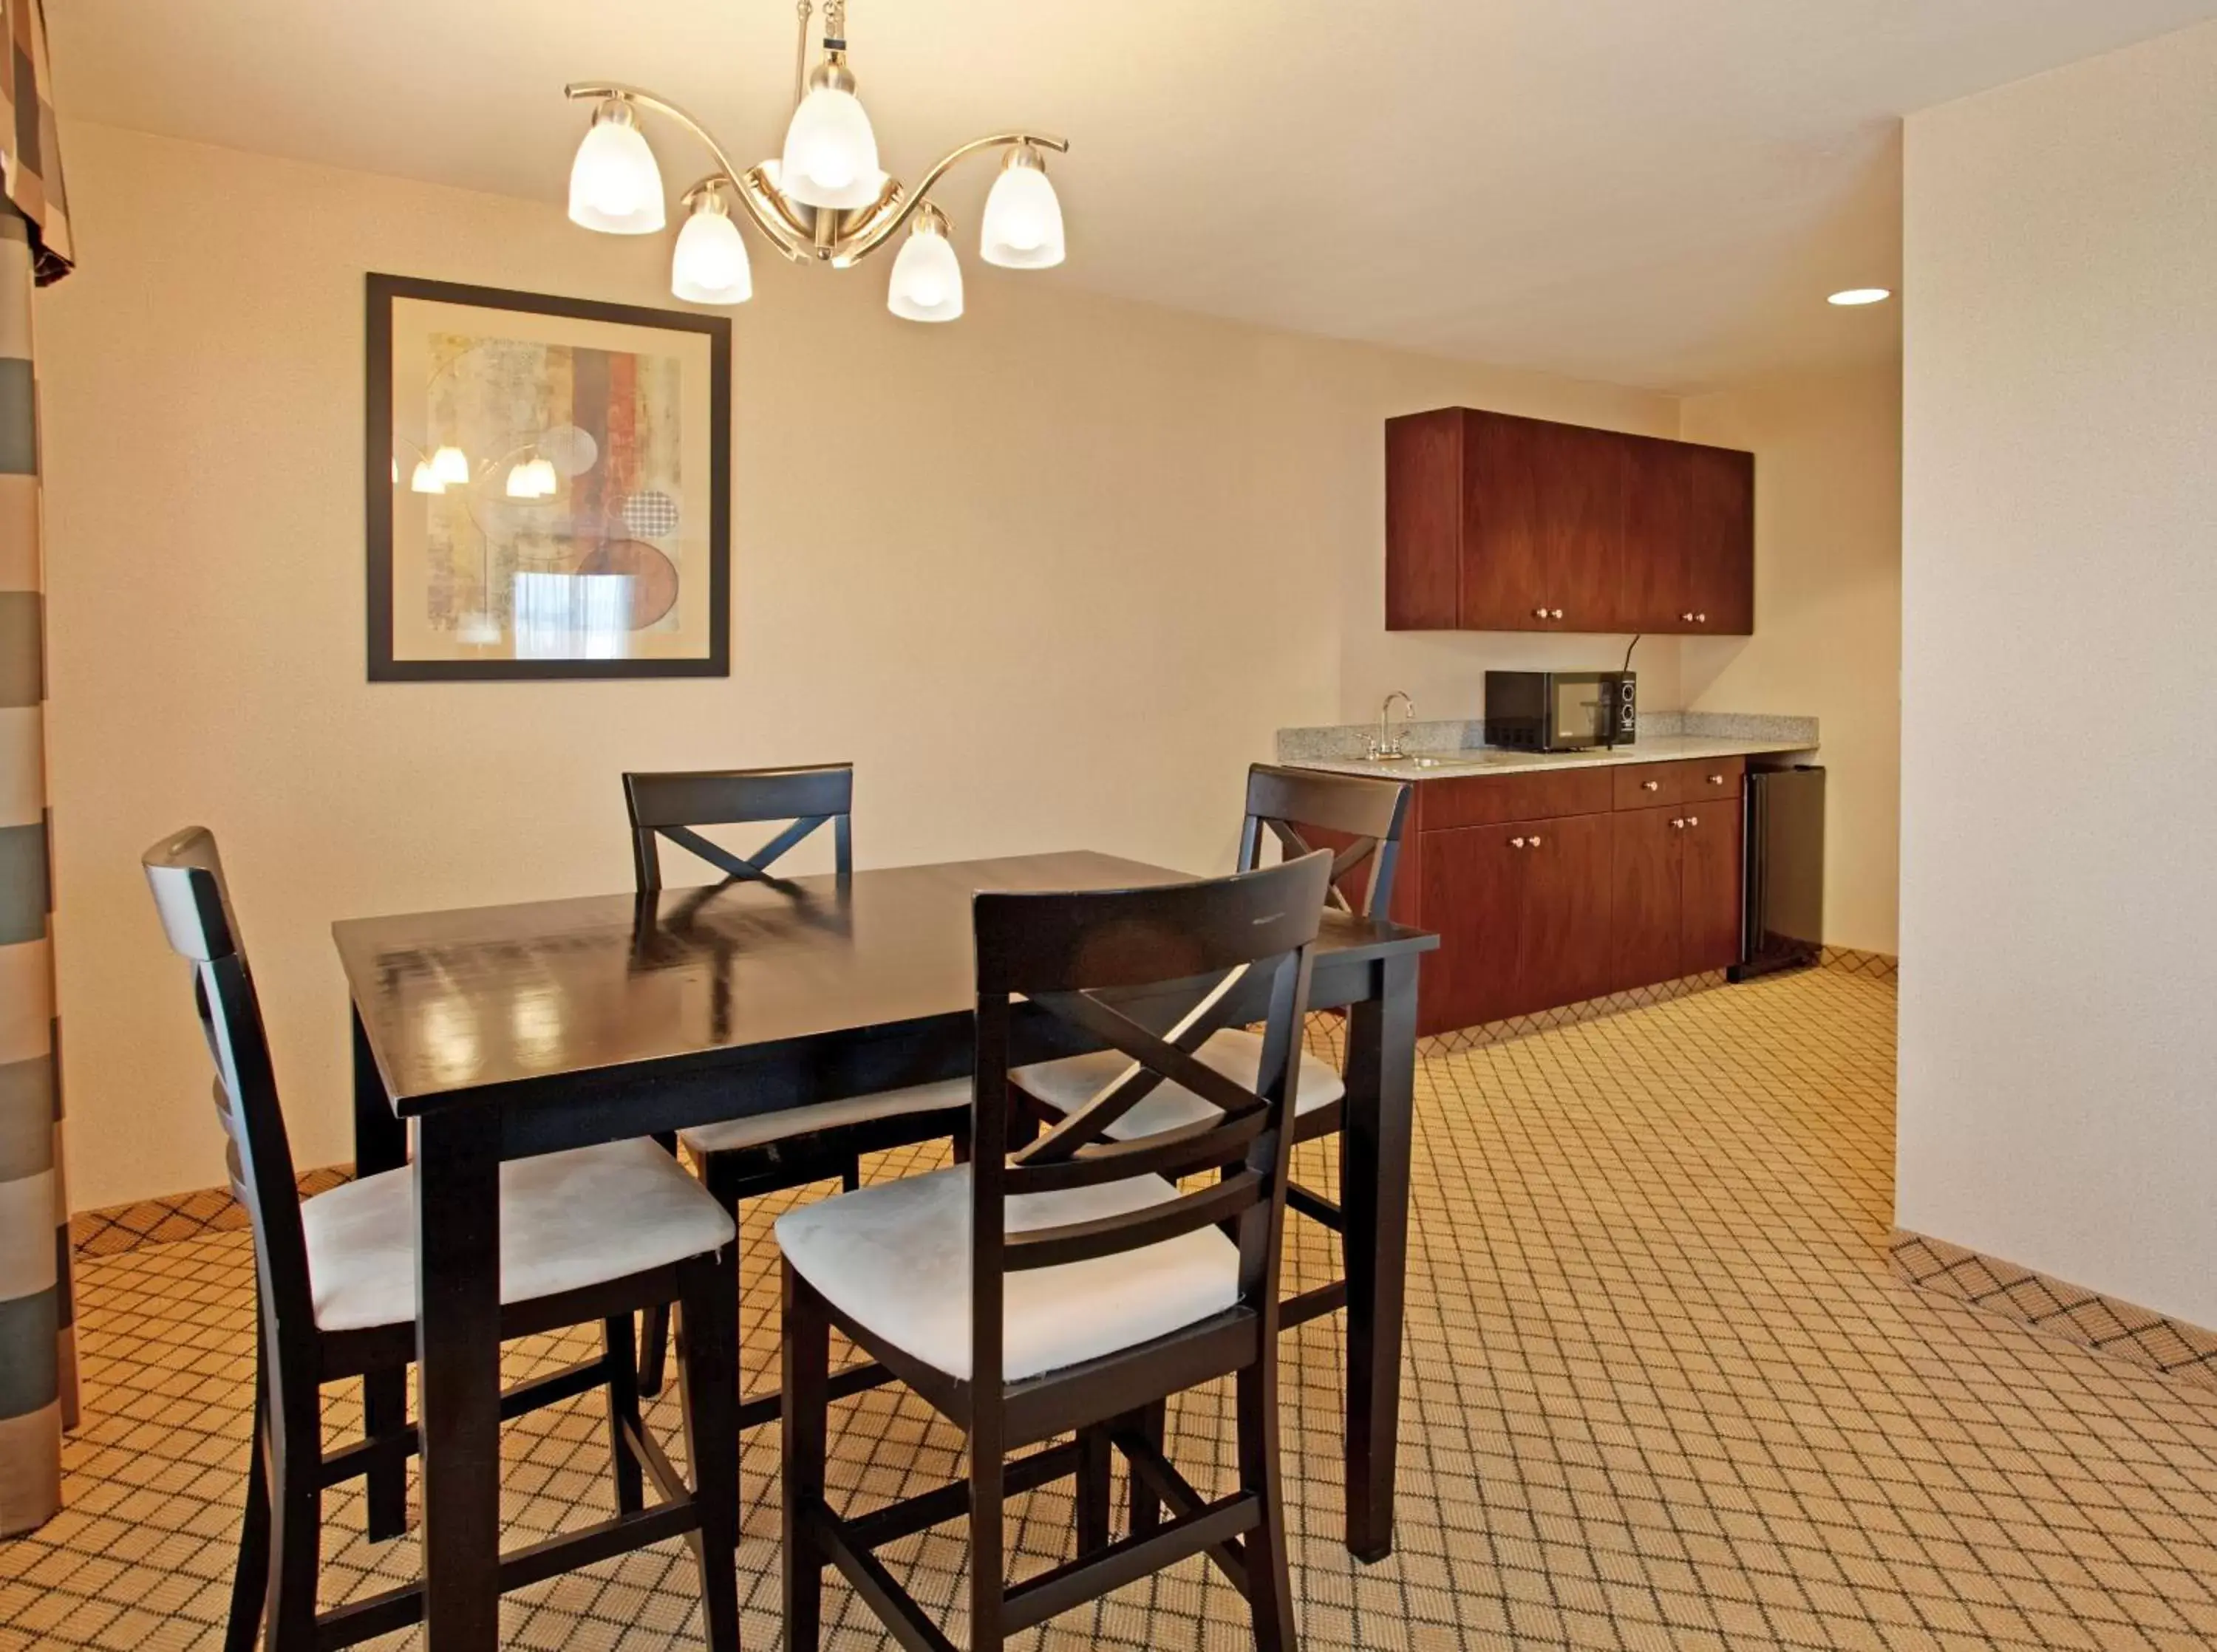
(500, 1032)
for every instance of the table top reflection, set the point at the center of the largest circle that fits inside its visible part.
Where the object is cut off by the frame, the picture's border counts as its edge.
(480, 997)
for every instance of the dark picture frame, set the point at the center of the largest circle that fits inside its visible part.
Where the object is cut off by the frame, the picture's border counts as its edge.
(386, 470)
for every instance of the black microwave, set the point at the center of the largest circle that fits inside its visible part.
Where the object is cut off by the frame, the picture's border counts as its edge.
(1560, 711)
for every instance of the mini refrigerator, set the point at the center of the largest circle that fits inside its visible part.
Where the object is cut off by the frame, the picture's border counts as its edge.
(1782, 912)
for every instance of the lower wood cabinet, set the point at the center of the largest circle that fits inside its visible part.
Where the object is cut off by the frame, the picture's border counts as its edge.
(1709, 928)
(1636, 881)
(1673, 891)
(1523, 911)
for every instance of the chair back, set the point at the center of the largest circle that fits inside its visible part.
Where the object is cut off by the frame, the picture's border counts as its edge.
(187, 878)
(671, 806)
(1368, 816)
(1200, 954)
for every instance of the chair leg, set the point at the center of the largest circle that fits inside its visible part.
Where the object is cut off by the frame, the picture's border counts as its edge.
(807, 1376)
(296, 1533)
(249, 1579)
(654, 1323)
(988, 1539)
(384, 1411)
(623, 1411)
(708, 1385)
(653, 1348)
(1269, 1576)
(1151, 1423)
(1092, 1491)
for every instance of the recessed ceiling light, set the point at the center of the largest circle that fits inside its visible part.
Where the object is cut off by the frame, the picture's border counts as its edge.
(1855, 295)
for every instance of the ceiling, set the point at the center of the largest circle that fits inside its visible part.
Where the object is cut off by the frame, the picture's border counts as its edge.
(1652, 192)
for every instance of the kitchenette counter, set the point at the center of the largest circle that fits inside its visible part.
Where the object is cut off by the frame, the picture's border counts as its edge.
(1486, 759)
(1453, 750)
(1549, 885)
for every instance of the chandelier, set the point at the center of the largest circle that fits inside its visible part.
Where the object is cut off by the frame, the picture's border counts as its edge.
(824, 200)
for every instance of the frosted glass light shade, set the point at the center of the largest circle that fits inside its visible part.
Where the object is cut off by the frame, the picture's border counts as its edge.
(710, 264)
(1023, 221)
(450, 465)
(615, 185)
(425, 478)
(830, 153)
(927, 282)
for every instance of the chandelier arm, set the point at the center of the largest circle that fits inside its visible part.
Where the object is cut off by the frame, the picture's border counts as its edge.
(861, 246)
(596, 90)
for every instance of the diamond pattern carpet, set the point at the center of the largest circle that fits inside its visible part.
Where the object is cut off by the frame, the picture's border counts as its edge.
(1662, 1395)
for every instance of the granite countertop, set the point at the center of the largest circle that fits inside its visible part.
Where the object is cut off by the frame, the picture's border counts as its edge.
(1450, 765)
(1448, 750)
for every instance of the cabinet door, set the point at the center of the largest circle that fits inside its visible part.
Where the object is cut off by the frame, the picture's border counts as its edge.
(1543, 528)
(1473, 880)
(1719, 540)
(1646, 915)
(1563, 948)
(1423, 519)
(1710, 934)
(1656, 503)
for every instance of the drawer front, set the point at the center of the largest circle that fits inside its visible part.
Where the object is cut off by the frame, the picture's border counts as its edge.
(1484, 800)
(1643, 785)
(1713, 777)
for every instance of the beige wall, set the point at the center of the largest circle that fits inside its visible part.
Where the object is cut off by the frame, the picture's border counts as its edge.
(2058, 1079)
(1827, 639)
(1051, 576)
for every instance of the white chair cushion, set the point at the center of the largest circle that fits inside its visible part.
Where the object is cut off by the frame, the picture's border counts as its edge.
(766, 1127)
(1069, 1084)
(567, 1220)
(895, 1258)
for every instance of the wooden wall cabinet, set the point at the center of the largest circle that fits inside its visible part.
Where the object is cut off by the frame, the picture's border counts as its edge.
(1499, 523)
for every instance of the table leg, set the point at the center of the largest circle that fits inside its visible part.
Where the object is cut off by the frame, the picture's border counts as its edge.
(1374, 1178)
(380, 1142)
(458, 1372)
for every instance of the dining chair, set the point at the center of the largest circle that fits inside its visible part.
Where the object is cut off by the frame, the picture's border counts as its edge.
(775, 1152)
(588, 1235)
(1363, 820)
(1070, 1285)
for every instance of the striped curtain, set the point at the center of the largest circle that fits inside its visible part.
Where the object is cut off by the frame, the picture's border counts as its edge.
(37, 1362)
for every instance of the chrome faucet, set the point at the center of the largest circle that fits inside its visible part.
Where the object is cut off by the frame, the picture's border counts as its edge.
(1384, 749)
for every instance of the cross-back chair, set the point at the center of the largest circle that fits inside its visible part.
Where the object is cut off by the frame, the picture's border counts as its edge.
(775, 1152)
(591, 1236)
(1361, 820)
(1070, 1286)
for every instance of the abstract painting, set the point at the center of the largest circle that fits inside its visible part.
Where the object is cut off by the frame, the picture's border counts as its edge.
(548, 486)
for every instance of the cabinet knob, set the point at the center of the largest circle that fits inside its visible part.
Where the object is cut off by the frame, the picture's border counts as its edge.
(1701, 619)
(1716, 779)
(1536, 839)
(1650, 786)
(1693, 820)
(1687, 616)
(1538, 613)
(1516, 842)
(1558, 614)
(1677, 825)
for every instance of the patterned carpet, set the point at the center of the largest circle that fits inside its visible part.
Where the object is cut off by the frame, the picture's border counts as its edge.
(1662, 1395)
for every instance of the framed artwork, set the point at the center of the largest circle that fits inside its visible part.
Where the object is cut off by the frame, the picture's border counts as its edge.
(548, 484)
